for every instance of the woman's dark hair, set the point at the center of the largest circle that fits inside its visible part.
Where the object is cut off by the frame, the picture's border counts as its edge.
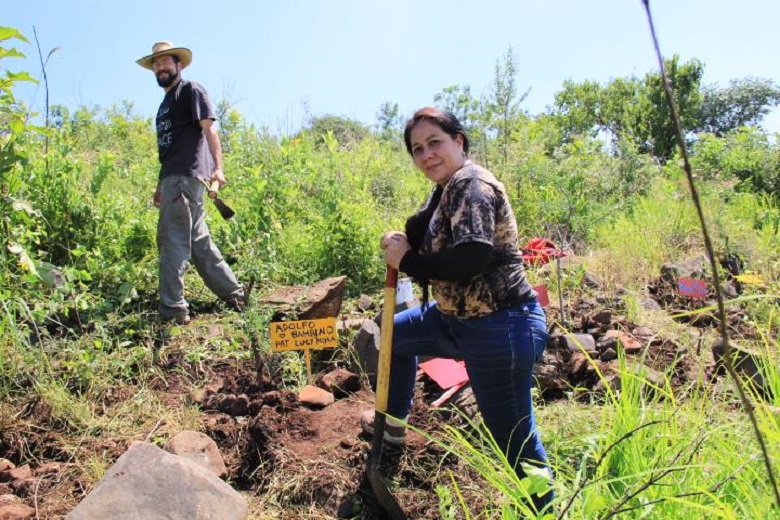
(444, 120)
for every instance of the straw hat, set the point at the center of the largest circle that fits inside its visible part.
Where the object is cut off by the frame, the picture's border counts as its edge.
(166, 49)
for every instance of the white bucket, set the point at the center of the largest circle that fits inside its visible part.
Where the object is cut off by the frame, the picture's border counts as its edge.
(404, 292)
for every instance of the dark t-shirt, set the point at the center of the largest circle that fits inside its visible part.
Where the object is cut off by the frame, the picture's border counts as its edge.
(474, 207)
(181, 145)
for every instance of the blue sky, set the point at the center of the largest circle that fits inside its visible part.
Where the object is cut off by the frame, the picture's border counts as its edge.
(282, 60)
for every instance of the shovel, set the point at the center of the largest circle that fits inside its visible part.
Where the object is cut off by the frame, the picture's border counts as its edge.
(378, 483)
(224, 210)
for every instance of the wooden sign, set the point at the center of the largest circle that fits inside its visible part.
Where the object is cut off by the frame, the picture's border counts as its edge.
(749, 279)
(691, 287)
(304, 335)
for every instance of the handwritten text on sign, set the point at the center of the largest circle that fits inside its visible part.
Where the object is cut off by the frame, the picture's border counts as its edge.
(304, 334)
(691, 287)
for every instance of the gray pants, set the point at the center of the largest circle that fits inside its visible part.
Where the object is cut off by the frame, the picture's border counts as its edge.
(182, 234)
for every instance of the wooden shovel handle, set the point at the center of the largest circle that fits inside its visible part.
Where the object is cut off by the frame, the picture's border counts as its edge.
(213, 189)
(386, 340)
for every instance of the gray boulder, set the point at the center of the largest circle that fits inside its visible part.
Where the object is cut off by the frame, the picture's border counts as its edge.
(148, 483)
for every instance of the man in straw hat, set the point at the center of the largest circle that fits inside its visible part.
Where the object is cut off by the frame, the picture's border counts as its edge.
(190, 157)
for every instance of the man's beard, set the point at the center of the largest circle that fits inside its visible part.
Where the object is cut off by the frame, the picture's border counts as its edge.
(170, 80)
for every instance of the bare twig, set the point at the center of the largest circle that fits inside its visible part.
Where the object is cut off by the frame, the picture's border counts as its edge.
(728, 362)
(46, 88)
(35, 497)
(601, 459)
(154, 430)
(710, 491)
(656, 478)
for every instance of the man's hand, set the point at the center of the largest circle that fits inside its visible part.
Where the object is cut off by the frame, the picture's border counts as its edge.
(156, 199)
(396, 246)
(219, 176)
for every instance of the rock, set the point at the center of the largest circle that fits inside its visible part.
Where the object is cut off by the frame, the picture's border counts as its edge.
(651, 380)
(315, 397)
(626, 342)
(649, 304)
(19, 473)
(630, 345)
(200, 449)
(24, 486)
(697, 267)
(147, 482)
(604, 317)
(612, 382)
(729, 289)
(321, 300)
(619, 321)
(548, 377)
(653, 377)
(745, 362)
(607, 342)
(16, 511)
(365, 303)
(643, 332)
(6, 464)
(578, 364)
(8, 499)
(399, 307)
(366, 348)
(48, 468)
(577, 342)
(340, 382)
(344, 325)
(608, 355)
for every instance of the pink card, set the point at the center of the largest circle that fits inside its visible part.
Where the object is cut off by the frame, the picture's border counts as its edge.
(445, 372)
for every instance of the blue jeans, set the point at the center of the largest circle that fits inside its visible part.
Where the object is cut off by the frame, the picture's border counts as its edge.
(499, 352)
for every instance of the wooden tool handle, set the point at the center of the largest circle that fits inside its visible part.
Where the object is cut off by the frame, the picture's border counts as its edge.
(213, 189)
(386, 340)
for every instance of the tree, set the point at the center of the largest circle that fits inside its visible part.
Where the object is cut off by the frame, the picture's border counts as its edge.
(656, 134)
(504, 104)
(344, 130)
(633, 109)
(458, 100)
(470, 111)
(744, 102)
(578, 109)
(389, 122)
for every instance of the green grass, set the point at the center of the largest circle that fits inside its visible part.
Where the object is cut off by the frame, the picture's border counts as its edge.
(640, 454)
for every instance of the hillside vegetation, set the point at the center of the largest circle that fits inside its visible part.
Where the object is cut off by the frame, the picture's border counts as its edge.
(597, 173)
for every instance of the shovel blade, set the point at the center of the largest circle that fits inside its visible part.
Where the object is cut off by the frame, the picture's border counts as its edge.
(224, 210)
(382, 493)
